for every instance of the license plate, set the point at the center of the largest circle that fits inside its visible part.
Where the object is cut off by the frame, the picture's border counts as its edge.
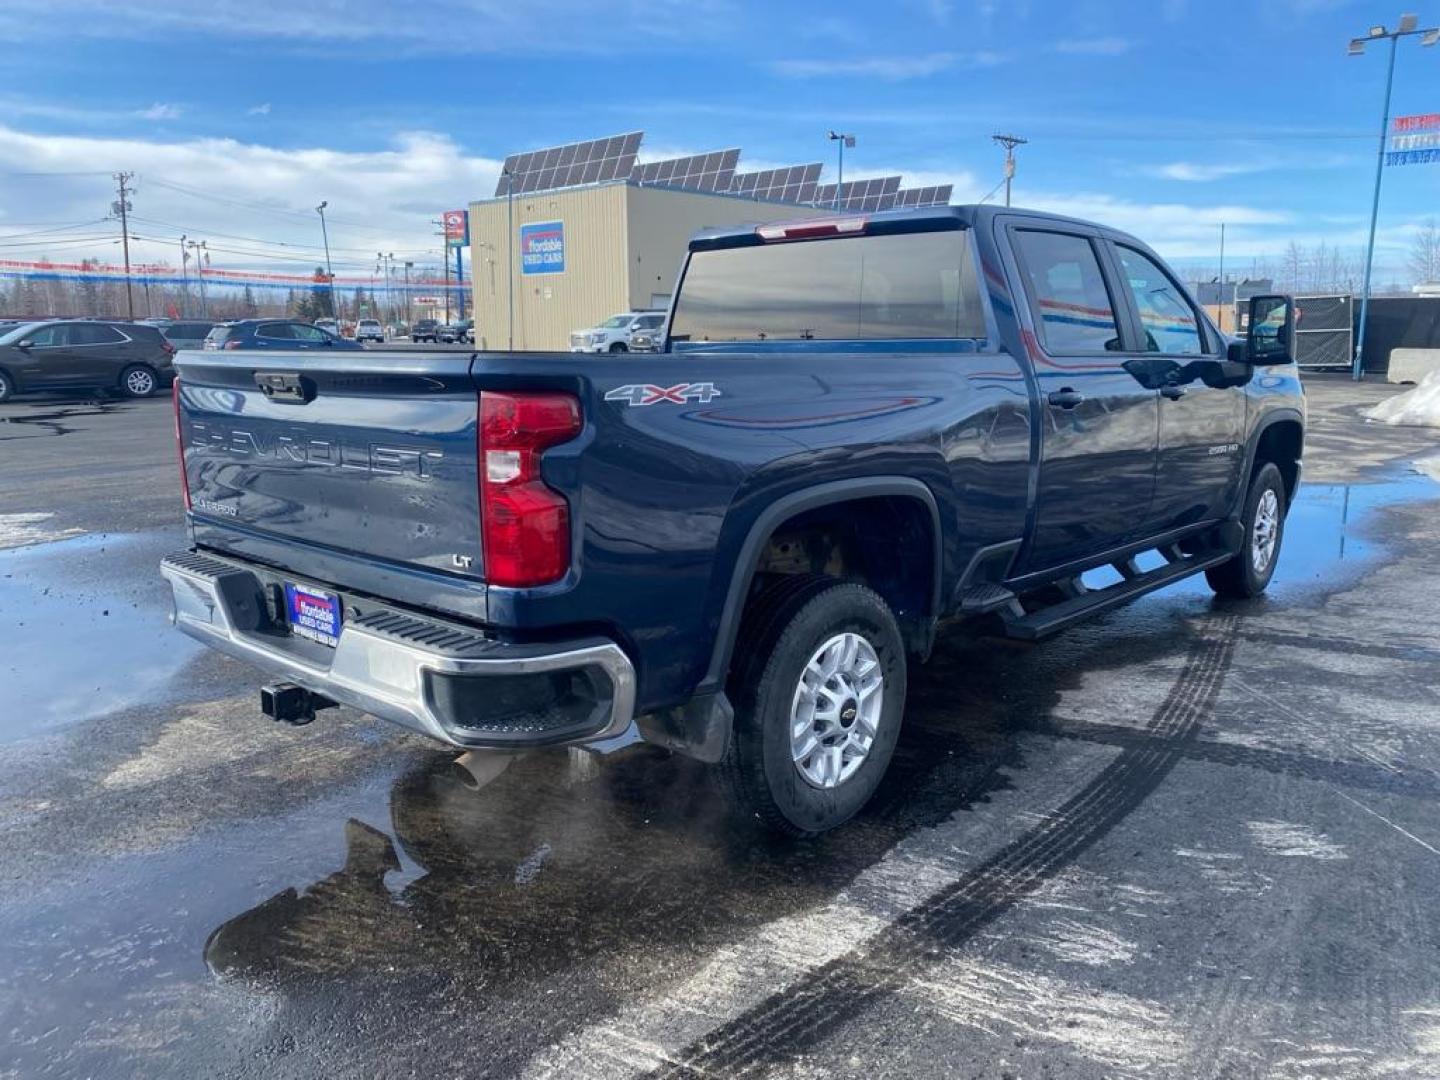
(313, 614)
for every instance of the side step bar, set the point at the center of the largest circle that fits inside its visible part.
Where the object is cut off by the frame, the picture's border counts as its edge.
(1084, 603)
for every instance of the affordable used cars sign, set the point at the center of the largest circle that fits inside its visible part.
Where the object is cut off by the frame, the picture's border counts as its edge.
(542, 248)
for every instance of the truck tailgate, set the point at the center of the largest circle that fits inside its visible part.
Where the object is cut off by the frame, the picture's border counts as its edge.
(367, 454)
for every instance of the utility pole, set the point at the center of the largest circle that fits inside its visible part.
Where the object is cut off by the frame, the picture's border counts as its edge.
(1222, 279)
(184, 278)
(121, 206)
(202, 255)
(444, 262)
(329, 274)
(1009, 142)
(842, 140)
(408, 265)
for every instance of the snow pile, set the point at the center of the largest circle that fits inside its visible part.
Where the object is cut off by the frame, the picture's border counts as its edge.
(1419, 407)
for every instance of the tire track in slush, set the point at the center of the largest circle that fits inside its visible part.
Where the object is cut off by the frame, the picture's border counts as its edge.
(795, 1019)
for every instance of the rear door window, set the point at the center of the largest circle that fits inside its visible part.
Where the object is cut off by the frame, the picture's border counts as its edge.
(917, 285)
(92, 334)
(275, 330)
(1069, 300)
(304, 332)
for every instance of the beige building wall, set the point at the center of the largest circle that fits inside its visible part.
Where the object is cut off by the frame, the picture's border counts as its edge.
(623, 246)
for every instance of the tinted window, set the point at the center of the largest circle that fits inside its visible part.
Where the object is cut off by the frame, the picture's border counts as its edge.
(1068, 297)
(302, 332)
(274, 330)
(188, 330)
(218, 334)
(920, 285)
(93, 334)
(649, 322)
(54, 334)
(1167, 321)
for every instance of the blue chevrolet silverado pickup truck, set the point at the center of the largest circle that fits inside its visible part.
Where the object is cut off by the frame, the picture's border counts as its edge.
(859, 428)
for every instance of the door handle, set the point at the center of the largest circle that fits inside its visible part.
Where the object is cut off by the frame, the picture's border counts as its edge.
(1174, 393)
(1065, 398)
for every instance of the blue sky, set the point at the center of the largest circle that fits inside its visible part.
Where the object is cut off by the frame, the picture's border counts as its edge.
(1165, 118)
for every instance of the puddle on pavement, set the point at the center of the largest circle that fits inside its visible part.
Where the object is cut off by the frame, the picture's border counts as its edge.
(75, 651)
(559, 873)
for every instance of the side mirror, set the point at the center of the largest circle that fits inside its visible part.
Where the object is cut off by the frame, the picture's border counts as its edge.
(24, 343)
(1270, 331)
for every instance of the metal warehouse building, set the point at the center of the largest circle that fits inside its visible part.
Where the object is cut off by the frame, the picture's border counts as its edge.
(577, 233)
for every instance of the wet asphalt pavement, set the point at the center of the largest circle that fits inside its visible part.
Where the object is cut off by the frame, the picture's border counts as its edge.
(1187, 839)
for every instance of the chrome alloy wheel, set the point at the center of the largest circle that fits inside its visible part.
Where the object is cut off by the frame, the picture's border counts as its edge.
(140, 383)
(1265, 531)
(835, 713)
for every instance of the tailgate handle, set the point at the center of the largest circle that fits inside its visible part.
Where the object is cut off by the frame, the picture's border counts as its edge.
(285, 386)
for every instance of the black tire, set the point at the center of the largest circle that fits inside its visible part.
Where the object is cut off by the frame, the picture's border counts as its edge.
(782, 631)
(138, 381)
(1241, 578)
(7, 387)
(619, 346)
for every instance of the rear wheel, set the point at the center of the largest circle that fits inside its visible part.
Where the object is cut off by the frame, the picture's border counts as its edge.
(618, 346)
(1263, 519)
(7, 388)
(138, 381)
(818, 697)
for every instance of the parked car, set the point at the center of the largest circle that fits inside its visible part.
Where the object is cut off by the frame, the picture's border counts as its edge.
(370, 330)
(613, 335)
(735, 549)
(330, 326)
(467, 331)
(183, 333)
(448, 333)
(276, 334)
(425, 330)
(647, 341)
(84, 354)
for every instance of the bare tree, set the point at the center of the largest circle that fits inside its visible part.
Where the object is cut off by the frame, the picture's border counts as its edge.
(1425, 254)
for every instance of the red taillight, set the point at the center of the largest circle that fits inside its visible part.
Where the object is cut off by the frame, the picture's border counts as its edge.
(167, 348)
(809, 230)
(232, 344)
(180, 441)
(524, 525)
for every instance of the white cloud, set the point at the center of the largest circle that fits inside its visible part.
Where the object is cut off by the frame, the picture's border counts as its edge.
(382, 199)
(1194, 172)
(258, 110)
(1097, 46)
(888, 68)
(159, 111)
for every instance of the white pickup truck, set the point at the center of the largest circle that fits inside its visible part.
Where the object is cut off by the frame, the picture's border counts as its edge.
(613, 335)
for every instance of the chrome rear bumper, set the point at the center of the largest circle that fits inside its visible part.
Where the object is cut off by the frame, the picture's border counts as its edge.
(442, 679)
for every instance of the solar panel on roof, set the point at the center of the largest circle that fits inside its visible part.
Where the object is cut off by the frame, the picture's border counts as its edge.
(938, 195)
(701, 172)
(792, 183)
(573, 163)
(877, 193)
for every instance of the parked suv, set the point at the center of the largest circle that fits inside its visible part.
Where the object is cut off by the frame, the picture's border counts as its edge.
(425, 330)
(84, 354)
(369, 330)
(183, 333)
(613, 335)
(275, 334)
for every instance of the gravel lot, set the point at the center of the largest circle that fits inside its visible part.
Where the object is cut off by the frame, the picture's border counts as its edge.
(1188, 839)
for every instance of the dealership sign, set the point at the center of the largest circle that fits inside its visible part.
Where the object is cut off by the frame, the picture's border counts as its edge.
(1414, 140)
(457, 228)
(542, 248)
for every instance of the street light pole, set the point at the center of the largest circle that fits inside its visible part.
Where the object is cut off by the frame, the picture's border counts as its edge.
(510, 256)
(408, 265)
(329, 274)
(1409, 26)
(842, 139)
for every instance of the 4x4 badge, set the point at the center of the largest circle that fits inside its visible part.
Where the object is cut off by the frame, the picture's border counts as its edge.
(679, 394)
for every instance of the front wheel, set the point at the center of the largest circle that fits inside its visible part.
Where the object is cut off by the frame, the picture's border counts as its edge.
(138, 381)
(818, 698)
(1249, 572)
(618, 346)
(7, 388)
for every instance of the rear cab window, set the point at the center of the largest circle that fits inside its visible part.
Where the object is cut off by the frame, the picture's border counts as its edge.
(873, 287)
